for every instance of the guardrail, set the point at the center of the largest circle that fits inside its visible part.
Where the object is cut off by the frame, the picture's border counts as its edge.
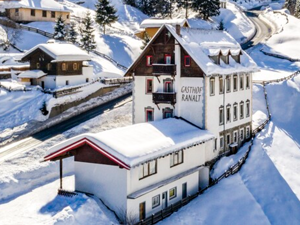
(110, 59)
(124, 80)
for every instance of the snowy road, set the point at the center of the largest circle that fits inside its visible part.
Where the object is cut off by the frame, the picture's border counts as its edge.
(263, 30)
(33, 141)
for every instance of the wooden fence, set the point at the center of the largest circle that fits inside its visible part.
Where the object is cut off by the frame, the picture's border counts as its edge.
(36, 30)
(124, 80)
(110, 59)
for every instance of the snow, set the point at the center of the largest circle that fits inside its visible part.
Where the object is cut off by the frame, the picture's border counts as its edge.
(43, 206)
(32, 74)
(61, 52)
(12, 85)
(198, 44)
(259, 109)
(156, 22)
(141, 142)
(45, 26)
(35, 4)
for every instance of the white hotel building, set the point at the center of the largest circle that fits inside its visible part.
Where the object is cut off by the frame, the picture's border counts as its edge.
(200, 78)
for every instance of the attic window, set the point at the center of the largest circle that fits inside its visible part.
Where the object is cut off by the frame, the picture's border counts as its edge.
(237, 58)
(187, 61)
(225, 58)
(149, 60)
(215, 59)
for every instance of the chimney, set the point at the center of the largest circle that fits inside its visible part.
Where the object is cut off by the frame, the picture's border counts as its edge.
(178, 29)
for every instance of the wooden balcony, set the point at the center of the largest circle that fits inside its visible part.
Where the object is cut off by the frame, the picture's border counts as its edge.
(164, 69)
(164, 97)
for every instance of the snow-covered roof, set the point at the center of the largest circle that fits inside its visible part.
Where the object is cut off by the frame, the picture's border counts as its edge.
(139, 143)
(200, 44)
(35, 4)
(61, 52)
(32, 74)
(154, 22)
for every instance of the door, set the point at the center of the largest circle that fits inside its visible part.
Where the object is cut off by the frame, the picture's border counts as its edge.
(142, 210)
(164, 200)
(168, 86)
(184, 190)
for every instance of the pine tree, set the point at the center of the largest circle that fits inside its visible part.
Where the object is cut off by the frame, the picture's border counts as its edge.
(130, 2)
(87, 41)
(221, 25)
(206, 8)
(297, 9)
(145, 41)
(72, 35)
(59, 29)
(105, 13)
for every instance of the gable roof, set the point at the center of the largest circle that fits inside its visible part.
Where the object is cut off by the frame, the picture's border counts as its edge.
(35, 4)
(156, 22)
(200, 44)
(60, 52)
(139, 143)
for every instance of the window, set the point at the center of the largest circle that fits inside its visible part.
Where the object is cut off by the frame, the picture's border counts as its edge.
(75, 66)
(155, 201)
(167, 113)
(187, 61)
(215, 59)
(236, 58)
(168, 59)
(168, 86)
(247, 132)
(149, 60)
(212, 86)
(221, 142)
(67, 16)
(242, 134)
(149, 115)
(38, 65)
(176, 158)
(242, 82)
(216, 143)
(235, 136)
(52, 14)
(228, 115)
(149, 83)
(221, 85)
(228, 139)
(235, 83)
(87, 80)
(225, 59)
(16, 12)
(32, 12)
(147, 169)
(228, 88)
(172, 193)
(247, 108)
(221, 115)
(44, 13)
(48, 66)
(247, 82)
(67, 82)
(64, 66)
(241, 110)
(235, 113)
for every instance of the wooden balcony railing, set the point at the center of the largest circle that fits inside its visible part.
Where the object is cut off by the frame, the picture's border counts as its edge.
(164, 97)
(164, 69)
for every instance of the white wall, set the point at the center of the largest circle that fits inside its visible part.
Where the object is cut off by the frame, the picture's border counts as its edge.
(106, 182)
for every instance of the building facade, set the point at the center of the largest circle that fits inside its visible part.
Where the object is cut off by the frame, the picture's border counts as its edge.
(55, 65)
(199, 75)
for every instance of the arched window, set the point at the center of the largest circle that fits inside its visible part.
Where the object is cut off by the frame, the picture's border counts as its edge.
(64, 66)
(75, 66)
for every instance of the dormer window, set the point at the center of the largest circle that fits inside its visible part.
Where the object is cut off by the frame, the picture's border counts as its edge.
(168, 59)
(187, 61)
(215, 59)
(237, 58)
(225, 59)
(149, 60)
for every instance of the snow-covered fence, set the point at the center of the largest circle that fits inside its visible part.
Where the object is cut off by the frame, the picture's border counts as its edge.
(110, 59)
(32, 29)
(124, 80)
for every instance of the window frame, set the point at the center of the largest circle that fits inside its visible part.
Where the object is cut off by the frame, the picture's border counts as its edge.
(235, 83)
(52, 14)
(167, 110)
(248, 108)
(241, 110)
(147, 110)
(228, 142)
(235, 136)
(32, 12)
(64, 66)
(228, 119)
(221, 115)
(171, 85)
(235, 111)
(241, 82)
(212, 85)
(247, 81)
(248, 135)
(221, 85)
(185, 61)
(148, 91)
(38, 65)
(175, 193)
(149, 61)
(75, 66)
(155, 204)
(228, 84)
(168, 56)
(147, 166)
(221, 142)
(176, 155)
(242, 134)
(44, 13)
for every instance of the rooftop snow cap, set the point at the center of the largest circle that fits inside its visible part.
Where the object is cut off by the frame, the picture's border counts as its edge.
(60, 52)
(155, 22)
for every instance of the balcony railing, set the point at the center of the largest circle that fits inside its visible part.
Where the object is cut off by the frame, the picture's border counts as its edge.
(164, 97)
(164, 69)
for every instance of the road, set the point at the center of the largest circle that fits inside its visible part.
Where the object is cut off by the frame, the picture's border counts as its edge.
(263, 30)
(33, 141)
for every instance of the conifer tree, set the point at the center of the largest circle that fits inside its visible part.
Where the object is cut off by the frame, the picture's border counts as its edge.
(130, 2)
(221, 25)
(206, 8)
(297, 9)
(105, 13)
(145, 41)
(87, 41)
(72, 34)
(59, 29)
